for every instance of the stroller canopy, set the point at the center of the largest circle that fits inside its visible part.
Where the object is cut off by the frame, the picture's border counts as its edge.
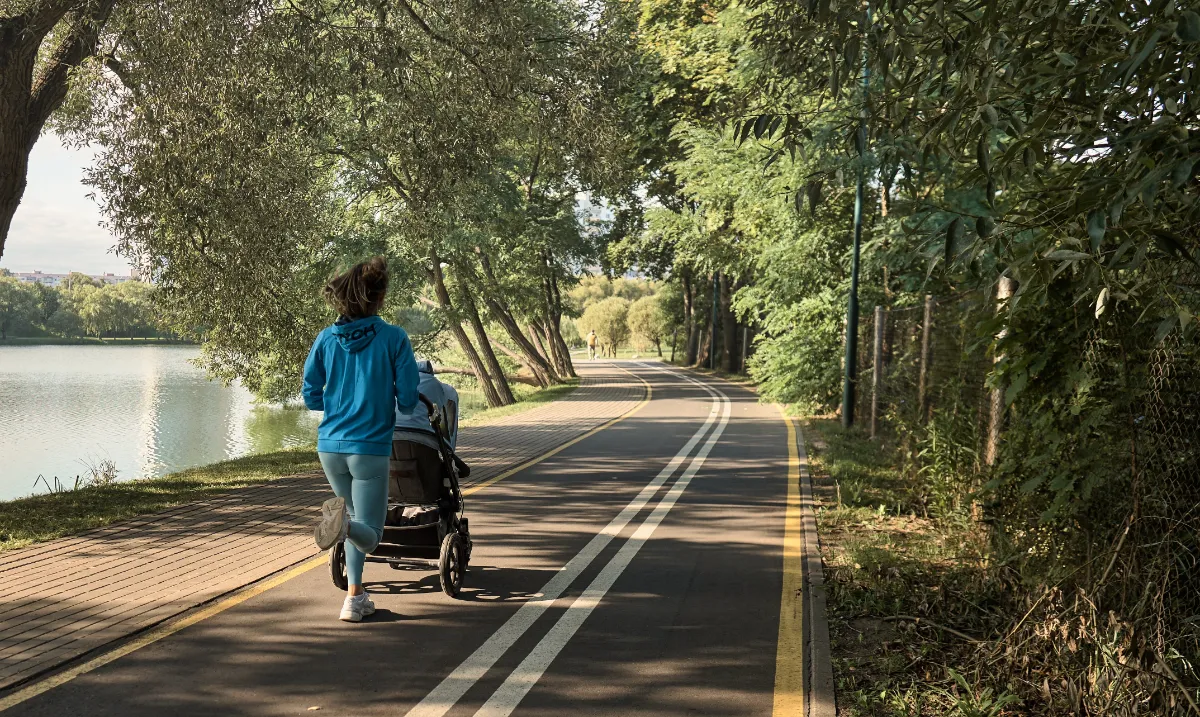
(415, 426)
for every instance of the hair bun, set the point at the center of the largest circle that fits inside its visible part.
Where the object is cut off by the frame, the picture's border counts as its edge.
(360, 291)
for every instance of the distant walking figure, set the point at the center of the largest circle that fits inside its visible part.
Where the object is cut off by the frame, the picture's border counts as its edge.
(591, 341)
(359, 372)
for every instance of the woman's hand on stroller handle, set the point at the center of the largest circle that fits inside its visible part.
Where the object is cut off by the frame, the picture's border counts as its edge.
(435, 413)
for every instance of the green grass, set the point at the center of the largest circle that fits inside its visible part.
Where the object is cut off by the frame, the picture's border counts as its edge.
(54, 515)
(625, 352)
(528, 397)
(891, 557)
(25, 521)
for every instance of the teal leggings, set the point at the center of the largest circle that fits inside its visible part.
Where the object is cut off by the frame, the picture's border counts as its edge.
(363, 482)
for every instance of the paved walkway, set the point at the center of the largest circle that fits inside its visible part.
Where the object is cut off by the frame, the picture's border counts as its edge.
(65, 598)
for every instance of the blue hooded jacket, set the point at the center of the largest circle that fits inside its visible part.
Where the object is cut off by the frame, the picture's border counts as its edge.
(360, 373)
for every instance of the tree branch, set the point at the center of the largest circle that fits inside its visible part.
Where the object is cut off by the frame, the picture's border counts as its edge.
(443, 40)
(50, 87)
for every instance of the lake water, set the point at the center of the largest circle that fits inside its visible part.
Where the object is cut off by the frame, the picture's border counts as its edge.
(146, 408)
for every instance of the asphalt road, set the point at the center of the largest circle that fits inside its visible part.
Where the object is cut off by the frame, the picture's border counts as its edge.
(661, 535)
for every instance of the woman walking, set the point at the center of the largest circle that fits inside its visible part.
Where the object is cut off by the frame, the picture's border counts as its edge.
(358, 372)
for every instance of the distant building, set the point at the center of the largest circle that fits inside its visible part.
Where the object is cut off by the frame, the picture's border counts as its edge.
(56, 280)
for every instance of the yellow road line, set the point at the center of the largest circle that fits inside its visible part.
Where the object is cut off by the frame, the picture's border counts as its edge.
(533, 461)
(154, 635)
(789, 655)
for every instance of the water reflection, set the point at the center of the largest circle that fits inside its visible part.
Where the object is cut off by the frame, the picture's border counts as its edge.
(144, 407)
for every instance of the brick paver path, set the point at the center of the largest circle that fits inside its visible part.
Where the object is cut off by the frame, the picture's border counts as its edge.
(67, 597)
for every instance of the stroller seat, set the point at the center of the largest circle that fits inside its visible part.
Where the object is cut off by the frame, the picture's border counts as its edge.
(414, 475)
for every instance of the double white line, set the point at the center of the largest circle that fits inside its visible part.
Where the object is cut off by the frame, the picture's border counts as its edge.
(506, 698)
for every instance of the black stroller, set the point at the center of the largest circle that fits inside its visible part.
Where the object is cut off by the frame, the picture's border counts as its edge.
(425, 519)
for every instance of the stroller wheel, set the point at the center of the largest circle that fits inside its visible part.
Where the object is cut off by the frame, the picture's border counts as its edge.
(337, 566)
(452, 564)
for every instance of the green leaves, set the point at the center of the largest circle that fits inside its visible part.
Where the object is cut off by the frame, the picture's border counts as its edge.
(1173, 245)
(985, 226)
(1188, 29)
(1182, 171)
(1096, 225)
(763, 126)
(989, 116)
(1164, 327)
(983, 154)
(812, 190)
(953, 234)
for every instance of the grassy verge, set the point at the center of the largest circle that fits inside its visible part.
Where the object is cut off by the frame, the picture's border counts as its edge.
(625, 353)
(910, 601)
(54, 515)
(527, 397)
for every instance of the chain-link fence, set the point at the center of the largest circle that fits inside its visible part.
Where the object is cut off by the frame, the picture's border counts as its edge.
(921, 361)
(1094, 463)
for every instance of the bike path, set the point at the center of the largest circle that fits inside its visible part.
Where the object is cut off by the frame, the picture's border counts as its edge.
(688, 626)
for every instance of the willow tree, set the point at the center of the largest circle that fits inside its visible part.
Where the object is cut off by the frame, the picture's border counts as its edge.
(42, 42)
(246, 151)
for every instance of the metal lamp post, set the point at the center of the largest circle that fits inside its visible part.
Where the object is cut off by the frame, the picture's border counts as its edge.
(850, 374)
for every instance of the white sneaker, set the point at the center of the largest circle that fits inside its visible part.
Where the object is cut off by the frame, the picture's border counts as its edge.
(335, 521)
(355, 608)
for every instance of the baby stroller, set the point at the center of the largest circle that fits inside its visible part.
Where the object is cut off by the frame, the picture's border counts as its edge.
(425, 519)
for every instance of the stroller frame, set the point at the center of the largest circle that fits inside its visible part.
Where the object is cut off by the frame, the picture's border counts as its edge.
(448, 541)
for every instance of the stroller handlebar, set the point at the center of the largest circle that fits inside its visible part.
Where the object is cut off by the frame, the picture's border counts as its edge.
(436, 418)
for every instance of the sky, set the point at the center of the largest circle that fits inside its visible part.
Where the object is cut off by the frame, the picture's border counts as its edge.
(57, 228)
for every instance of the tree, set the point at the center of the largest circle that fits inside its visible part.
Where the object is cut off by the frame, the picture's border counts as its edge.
(42, 43)
(328, 133)
(647, 321)
(136, 307)
(18, 306)
(97, 309)
(65, 321)
(609, 319)
(1050, 145)
(1071, 126)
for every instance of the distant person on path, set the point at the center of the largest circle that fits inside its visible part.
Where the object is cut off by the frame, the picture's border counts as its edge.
(591, 339)
(360, 371)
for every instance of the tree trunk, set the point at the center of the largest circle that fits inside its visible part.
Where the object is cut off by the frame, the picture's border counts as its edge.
(563, 361)
(534, 380)
(702, 349)
(557, 338)
(485, 347)
(535, 334)
(538, 363)
(546, 332)
(460, 335)
(689, 321)
(730, 354)
(29, 93)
